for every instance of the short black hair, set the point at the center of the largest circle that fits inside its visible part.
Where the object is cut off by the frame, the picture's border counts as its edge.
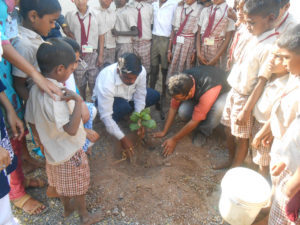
(290, 40)
(42, 7)
(180, 84)
(54, 52)
(130, 63)
(283, 3)
(262, 7)
(73, 43)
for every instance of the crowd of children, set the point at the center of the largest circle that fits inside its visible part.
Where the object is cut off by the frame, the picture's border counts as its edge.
(257, 42)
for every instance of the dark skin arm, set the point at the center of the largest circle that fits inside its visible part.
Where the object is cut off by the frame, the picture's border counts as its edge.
(11, 55)
(222, 49)
(253, 98)
(293, 185)
(101, 50)
(170, 55)
(171, 116)
(264, 136)
(72, 127)
(198, 47)
(133, 32)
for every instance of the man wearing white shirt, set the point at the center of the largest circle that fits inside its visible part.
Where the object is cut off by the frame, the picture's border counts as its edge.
(121, 89)
(163, 11)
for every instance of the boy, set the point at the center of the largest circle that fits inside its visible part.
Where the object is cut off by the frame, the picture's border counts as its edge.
(142, 43)
(285, 20)
(182, 41)
(125, 27)
(89, 30)
(260, 17)
(60, 129)
(284, 126)
(262, 110)
(215, 30)
(108, 16)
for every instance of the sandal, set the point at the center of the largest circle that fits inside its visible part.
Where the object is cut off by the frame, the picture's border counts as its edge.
(39, 183)
(21, 203)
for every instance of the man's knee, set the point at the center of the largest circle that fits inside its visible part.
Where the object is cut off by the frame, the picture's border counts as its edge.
(121, 108)
(152, 97)
(185, 110)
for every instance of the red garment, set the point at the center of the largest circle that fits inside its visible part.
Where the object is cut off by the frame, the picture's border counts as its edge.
(210, 24)
(139, 23)
(204, 105)
(292, 208)
(181, 25)
(84, 35)
(17, 189)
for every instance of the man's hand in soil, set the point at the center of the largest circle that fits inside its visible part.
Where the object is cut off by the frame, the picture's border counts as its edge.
(169, 146)
(127, 146)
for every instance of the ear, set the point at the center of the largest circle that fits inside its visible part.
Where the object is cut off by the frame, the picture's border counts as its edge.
(272, 18)
(32, 16)
(60, 69)
(286, 7)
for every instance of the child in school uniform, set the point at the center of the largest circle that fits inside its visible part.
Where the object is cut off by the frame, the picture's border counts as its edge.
(142, 43)
(89, 30)
(262, 110)
(244, 76)
(283, 126)
(108, 16)
(181, 52)
(125, 28)
(59, 125)
(215, 30)
(285, 20)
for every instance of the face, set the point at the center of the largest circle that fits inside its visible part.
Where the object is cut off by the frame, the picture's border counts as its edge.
(217, 2)
(127, 78)
(105, 3)
(240, 11)
(291, 61)
(278, 67)
(77, 60)
(162, 1)
(256, 24)
(189, 2)
(43, 25)
(64, 73)
(81, 4)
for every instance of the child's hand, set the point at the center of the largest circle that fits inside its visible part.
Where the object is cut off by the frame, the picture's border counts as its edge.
(212, 62)
(114, 32)
(170, 56)
(16, 125)
(202, 60)
(193, 57)
(277, 169)
(242, 118)
(4, 158)
(293, 185)
(232, 14)
(92, 135)
(70, 95)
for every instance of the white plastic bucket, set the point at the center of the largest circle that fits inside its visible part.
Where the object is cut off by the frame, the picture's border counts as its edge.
(244, 193)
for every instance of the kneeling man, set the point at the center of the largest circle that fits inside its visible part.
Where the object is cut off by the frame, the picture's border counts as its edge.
(121, 89)
(198, 95)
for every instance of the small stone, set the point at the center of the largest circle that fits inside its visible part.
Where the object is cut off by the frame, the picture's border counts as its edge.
(108, 212)
(123, 214)
(168, 164)
(115, 211)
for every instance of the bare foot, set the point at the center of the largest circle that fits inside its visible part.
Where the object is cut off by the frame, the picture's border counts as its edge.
(92, 218)
(69, 211)
(223, 165)
(29, 205)
(51, 192)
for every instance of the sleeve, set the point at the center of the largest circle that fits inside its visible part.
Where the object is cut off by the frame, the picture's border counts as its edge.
(57, 112)
(28, 54)
(206, 101)
(139, 97)
(263, 62)
(264, 69)
(176, 18)
(174, 103)
(231, 25)
(104, 92)
(131, 18)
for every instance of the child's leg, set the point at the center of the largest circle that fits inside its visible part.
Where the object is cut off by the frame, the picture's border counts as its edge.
(85, 217)
(241, 151)
(68, 207)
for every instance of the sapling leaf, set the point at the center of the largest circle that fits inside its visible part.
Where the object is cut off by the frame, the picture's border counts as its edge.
(135, 116)
(149, 124)
(146, 110)
(146, 117)
(134, 126)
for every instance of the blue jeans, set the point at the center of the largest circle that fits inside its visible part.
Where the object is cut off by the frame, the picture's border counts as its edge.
(213, 117)
(122, 107)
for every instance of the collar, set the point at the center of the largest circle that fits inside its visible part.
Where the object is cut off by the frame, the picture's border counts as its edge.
(265, 34)
(284, 17)
(138, 4)
(86, 13)
(58, 84)
(24, 32)
(192, 6)
(221, 6)
(167, 3)
(118, 80)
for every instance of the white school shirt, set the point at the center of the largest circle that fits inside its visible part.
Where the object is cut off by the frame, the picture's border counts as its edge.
(97, 27)
(204, 18)
(109, 85)
(162, 18)
(245, 72)
(272, 92)
(108, 17)
(285, 23)
(147, 19)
